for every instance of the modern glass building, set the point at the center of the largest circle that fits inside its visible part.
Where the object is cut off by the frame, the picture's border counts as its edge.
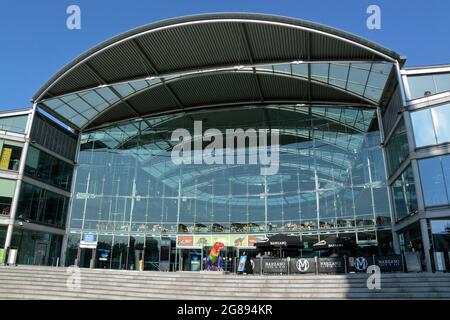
(358, 144)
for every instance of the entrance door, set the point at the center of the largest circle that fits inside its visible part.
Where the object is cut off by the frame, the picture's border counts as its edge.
(190, 259)
(86, 256)
(40, 253)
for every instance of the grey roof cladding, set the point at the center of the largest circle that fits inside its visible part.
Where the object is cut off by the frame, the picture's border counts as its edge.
(193, 41)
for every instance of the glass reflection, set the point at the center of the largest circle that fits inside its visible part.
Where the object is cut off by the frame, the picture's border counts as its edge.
(330, 177)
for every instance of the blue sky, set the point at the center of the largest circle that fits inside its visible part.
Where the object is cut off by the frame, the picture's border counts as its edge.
(36, 43)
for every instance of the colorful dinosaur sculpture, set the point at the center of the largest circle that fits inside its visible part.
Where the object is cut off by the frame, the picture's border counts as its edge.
(214, 259)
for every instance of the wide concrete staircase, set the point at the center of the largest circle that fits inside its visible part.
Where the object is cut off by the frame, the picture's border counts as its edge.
(30, 282)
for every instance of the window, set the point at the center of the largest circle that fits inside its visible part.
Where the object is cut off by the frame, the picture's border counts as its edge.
(42, 206)
(431, 125)
(434, 181)
(17, 124)
(397, 147)
(7, 188)
(421, 85)
(49, 169)
(441, 117)
(404, 194)
(10, 152)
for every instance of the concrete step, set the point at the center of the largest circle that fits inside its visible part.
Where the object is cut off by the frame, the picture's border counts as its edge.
(29, 282)
(222, 286)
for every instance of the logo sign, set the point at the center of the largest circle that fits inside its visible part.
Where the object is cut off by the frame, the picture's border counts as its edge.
(278, 243)
(361, 264)
(302, 265)
(389, 263)
(331, 265)
(275, 265)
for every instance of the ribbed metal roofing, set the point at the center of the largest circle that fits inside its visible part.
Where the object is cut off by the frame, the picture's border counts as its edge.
(209, 41)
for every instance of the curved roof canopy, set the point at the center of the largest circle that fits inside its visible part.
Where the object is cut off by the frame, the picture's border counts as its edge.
(215, 60)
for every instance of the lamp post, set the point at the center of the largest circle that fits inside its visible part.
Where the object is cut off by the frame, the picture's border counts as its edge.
(20, 223)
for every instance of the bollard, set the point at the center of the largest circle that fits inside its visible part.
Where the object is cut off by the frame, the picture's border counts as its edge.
(316, 262)
(345, 264)
(261, 265)
(288, 265)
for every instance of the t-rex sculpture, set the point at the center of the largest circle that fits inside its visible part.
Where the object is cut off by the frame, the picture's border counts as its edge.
(214, 259)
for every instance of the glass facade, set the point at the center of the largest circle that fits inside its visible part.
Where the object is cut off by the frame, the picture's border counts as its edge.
(440, 230)
(431, 125)
(435, 179)
(331, 177)
(36, 248)
(48, 169)
(404, 194)
(397, 149)
(15, 124)
(423, 85)
(10, 152)
(42, 206)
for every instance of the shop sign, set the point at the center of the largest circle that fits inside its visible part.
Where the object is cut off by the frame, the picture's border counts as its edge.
(331, 265)
(275, 265)
(302, 265)
(390, 263)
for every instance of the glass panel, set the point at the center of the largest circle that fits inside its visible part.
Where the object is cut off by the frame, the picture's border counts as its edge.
(419, 85)
(446, 170)
(440, 229)
(319, 71)
(423, 128)
(300, 69)
(442, 81)
(441, 117)
(42, 206)
(397, 147)
(49, 169)
(14, 124)
(404, 194)
(36, 248)
(433, 185)
(338, 74)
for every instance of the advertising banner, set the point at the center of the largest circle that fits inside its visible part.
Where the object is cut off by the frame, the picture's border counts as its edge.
(275, 265)
(390, 263)
(238, 240)
(202, 241)
(5, 158)
(359, 264)
(252, 238)
(302, 265)
(185, 241)
(331, 265)
(241, 265)
(207, 240)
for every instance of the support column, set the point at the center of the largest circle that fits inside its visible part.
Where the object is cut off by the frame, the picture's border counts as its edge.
(15, 201)
(426, 243)
(395, 242)
(69, 209)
